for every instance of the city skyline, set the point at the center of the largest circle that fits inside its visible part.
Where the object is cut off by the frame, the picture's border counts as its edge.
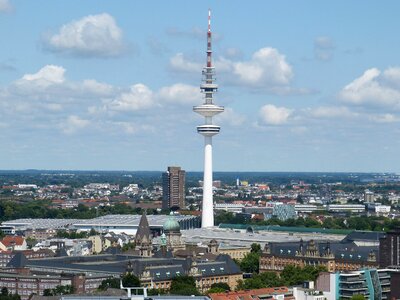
(306, 86)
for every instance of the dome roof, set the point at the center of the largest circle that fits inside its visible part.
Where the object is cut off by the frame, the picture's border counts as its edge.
(171, 224)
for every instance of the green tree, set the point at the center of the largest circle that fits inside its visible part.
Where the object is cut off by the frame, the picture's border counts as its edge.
(93, 232)
(59, 290)
(156, 292)
(110, 283)
(250, 263)
(258, 281)
(290, 275)
(4, 291)
(215, 290)
(221, 285)
(184, 285)
(256, 248)
(128, 246)
(130, 280)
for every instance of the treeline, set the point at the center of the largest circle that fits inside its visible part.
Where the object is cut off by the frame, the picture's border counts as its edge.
(291, 275)
(372, 223)
(42, 209)
(78, 179)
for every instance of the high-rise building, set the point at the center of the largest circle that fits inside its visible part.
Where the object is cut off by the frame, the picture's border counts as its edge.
(370, 283)
(173, 188)
(369, 197)
(208, 110)
(389, 249)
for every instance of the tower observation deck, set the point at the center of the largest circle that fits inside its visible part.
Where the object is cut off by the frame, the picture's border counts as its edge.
(208, 110)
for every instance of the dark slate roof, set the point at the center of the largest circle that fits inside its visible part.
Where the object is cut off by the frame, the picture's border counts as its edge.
(161, 253)
(166, 272)
(113, 250)
(143, 229)
(118, 264)
(341, 250)
(365, 236)
(19, 260)
(61, 252)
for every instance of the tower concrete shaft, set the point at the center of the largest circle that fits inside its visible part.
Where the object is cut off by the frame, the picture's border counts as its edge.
(208, 110)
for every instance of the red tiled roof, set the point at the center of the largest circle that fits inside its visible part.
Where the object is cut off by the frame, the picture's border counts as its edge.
(251, 294)
(10, 240)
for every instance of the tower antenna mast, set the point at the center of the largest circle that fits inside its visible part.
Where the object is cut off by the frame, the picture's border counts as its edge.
(208, 110)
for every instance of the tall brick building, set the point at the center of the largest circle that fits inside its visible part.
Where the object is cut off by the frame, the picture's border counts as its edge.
(389, 249)
(174, 188)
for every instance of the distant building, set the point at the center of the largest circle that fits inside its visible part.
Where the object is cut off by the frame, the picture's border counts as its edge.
(352, 208)
(232, 207)
(369, 196)
(173, 188)
(307, 208)
(216, 183)
(13, 243)
(127, 224)
(284, 212)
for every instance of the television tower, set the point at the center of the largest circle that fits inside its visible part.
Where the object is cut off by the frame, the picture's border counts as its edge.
(208, 110)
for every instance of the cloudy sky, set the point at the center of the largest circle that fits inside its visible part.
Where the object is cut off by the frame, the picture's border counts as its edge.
(105, 85)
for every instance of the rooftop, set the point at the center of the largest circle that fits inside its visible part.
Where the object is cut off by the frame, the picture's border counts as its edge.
(239, 237)
(113, 220)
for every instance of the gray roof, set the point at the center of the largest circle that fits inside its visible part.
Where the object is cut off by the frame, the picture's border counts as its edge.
(341, 251)
(19, 260)
(159, 268)
(371, 236)
(143, 231)
(155, 221)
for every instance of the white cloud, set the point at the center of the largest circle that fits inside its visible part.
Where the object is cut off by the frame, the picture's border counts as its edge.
(45, 77)
(267, 69)
(385, 118)
(181, 64)
(5, 6)
(48, 94)
(327, 112)
(181, 94)
(374, 88)
(273, 115)
(267, 66)
(50, 82)
(131, 127)
(73, 124)
(93, 35)
(323, 48)
(139, 97)
(230, 117)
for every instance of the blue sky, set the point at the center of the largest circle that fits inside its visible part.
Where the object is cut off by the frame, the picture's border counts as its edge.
(105, 85)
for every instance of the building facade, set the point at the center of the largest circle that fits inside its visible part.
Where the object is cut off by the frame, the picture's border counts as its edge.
(371, 283)
(335, 256)
(389, 249)
(174, 188)
(26, 285)
(6, 256)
